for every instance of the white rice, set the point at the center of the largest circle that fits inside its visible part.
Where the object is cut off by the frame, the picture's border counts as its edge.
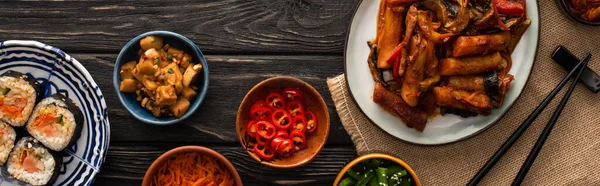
(7, 141)
(62, 133)
(45, 164)
(19, 88)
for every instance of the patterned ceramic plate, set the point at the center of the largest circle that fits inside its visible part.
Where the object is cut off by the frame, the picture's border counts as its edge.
(58, 72)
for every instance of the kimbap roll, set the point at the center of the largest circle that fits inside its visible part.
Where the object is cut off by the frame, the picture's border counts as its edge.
(32, 163)
(7, 141)
(18, 93)
(56, 122)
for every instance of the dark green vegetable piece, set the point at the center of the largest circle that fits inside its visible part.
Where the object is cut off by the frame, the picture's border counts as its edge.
(394, 180)
(156, 61)
(169, 57)
(382, 176)
(395, 183)
(361, 167)
(395, 169)
(348, 181)
(366, 178)
(397, 178)
(60, 120)
(374, 163)
(373, 182)
(354, 174)
(4, 91)
(406, 182)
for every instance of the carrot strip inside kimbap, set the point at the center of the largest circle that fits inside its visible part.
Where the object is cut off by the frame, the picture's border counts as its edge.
(13, 108)
(44, 122)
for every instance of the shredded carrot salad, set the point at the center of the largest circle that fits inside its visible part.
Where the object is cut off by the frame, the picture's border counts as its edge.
(193, 169)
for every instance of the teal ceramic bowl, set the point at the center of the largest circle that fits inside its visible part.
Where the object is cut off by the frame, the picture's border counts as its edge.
(129, 53)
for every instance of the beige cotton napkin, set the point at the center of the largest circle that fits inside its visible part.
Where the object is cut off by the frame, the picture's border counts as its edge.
(571, 155)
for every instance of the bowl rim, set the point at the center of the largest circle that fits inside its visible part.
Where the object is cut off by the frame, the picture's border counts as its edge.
(183, 149)
(377, 156)
(201, 94)
(306, 160)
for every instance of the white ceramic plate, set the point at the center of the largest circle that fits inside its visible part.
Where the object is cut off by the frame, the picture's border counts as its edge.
(440, 129)
(57, 72)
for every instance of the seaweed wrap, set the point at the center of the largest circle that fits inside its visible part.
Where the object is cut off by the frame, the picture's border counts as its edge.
(7, 141)
(32, 163)
(56, 122)
(18, 94)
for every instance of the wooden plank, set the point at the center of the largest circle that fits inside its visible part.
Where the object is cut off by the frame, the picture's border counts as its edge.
(223, 27)
(230, 78)
(127, 163)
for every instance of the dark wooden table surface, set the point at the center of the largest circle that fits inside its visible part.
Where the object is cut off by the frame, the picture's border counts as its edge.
(244, 42)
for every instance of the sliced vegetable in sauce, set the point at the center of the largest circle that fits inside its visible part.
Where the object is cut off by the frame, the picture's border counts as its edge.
(427, 42)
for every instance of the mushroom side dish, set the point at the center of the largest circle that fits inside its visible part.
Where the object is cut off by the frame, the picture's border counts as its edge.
(433, 57)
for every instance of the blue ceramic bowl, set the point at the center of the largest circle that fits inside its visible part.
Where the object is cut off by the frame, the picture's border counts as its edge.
(129, 53)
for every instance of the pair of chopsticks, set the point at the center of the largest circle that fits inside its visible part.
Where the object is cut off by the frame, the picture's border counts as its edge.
(523, 127)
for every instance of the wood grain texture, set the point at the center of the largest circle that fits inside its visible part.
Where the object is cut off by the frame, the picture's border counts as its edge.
(247, 41)
(230, 78)
(217, 27)
(126, 164)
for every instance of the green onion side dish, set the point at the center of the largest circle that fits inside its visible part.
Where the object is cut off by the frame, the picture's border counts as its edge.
(376, 172)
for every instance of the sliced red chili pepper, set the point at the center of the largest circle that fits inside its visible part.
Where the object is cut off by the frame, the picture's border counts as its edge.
(260, 113)
(311, 121)
(264, 152)
(262, 141)
(293, 94)
(259, 103)
(265, 129)
(286, 148)
(509, 8)
(282, 133)
(295, 108)
(395, 54)
(250, 130)
(275, 100)
(281, 119)
(276, 142)
(396, 62)
(299, 139)
(299, 123)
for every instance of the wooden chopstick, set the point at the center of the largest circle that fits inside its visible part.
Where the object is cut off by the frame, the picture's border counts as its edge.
(542, 139)
(523, 127)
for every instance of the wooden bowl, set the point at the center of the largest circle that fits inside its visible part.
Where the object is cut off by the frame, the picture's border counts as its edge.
(312, 101)
(410, 171)
(153, 169)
